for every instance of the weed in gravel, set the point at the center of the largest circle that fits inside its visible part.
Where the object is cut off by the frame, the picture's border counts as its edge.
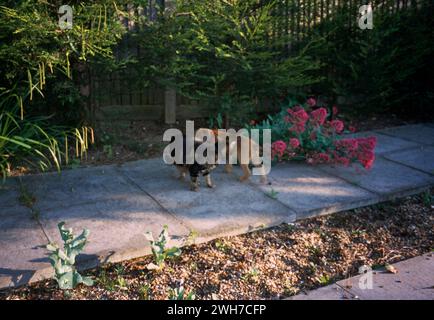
(222, 246)
(180, 294)
(315, 251)
(106, 281)
(191, 238)
(324, 280)
(144, 292)
(252, 275)
(428, 199)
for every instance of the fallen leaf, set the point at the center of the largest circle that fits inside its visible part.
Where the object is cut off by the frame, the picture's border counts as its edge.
(391, 268)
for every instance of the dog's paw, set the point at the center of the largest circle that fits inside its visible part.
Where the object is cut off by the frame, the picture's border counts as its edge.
(211, 186)
(242, 179)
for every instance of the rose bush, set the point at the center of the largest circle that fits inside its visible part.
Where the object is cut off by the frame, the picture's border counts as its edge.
(304, 132)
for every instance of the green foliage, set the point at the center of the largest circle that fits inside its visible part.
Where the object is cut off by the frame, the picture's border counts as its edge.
(159, 249)
(43, 68)
(273, 194)
(180, 294)
(63, 261)
(384, 69)
(33, 140)
(223, 54)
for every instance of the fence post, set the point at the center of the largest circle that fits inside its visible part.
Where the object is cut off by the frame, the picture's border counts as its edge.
(170, 106)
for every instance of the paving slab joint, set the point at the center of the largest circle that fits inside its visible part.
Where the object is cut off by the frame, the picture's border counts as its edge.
(163, 208)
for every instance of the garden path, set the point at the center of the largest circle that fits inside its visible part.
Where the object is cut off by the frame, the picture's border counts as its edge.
(119, 203)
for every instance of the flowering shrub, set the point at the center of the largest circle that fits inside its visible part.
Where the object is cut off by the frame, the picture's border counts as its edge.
(303, 132)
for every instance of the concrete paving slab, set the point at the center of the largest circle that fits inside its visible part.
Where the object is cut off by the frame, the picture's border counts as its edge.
(22, 248)
(419, 133)
(150, 169)
(332, 292)
(312, 192)
(420, 158)
(116, 227)
(77, 186)
(230, 206)
(414, 281)
(386, 178)
(385, 143)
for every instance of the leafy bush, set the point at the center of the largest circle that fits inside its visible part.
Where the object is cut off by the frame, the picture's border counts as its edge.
(43, 70)
(221, 53)
(159, 250)
(386, 69)
(33, 140)
(63, 261)
(303, 132)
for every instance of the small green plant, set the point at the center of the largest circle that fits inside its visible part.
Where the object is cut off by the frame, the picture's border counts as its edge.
(144, 292)
(105, 280)
(222, 246)
(290, 227)
(28, 199)
(159, 250)
(191, 238)
(108, 149)
(74, 163)
(180, 294)
(273, 194)
(121, 283)
(428, 199)
(324, 279)
(63, 261)
(252, 275)
(315, 251)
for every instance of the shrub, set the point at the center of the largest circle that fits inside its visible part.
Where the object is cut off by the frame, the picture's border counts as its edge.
(43, 68)
(33, 140)
(221, 53)
(303, 132)
(386, 69)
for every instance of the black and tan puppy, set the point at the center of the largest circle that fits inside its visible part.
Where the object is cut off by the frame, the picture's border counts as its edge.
(195, 169)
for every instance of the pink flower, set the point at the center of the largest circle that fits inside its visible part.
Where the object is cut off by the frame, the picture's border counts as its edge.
(298, 128)
(294, 143)
(318, 116)
(297, 107)
(347, 144)
(311, 102)
(343, 161)
(299, 115)
(337, 125)
(322, 157)
(298, 119)
(335, 110)
(278, 149)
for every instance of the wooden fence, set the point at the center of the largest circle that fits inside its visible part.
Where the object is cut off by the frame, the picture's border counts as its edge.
(115, 96)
